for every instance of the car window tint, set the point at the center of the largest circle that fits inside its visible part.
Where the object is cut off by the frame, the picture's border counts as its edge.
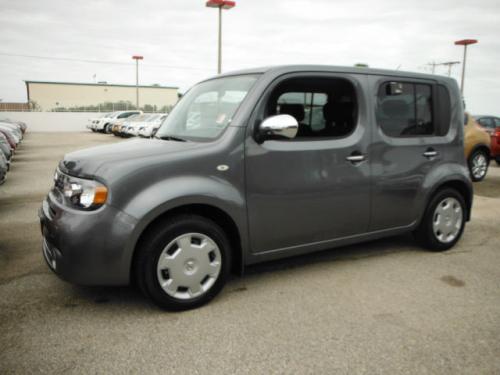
(486, 122)
(405, 109)
(323, 107)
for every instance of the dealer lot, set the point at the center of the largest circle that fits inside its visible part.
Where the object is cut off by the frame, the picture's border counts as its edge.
(379, 307)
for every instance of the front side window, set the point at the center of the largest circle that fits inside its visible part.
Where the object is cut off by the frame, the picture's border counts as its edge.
(323, 107)
(207, 109)
(405, 109)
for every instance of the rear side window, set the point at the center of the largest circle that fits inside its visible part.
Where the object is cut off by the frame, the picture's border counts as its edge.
(405, 109)
(443, 112)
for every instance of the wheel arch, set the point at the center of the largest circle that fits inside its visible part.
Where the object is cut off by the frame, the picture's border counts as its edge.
(459, 185)
(480, 147)
(208, 211)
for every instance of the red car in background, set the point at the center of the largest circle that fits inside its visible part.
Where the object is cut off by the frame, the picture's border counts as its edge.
(492, 125)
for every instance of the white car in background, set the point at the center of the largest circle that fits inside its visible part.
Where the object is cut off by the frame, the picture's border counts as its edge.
(128, 126)
(103, 124)
(148, 128)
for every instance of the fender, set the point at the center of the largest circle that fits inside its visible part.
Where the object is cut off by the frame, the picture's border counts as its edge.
(480, 145)
(159, 198)
(443, 174)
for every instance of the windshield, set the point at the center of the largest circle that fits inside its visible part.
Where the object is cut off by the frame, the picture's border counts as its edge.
(207, 109)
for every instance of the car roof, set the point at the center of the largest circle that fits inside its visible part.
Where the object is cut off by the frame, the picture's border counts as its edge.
(283, 69)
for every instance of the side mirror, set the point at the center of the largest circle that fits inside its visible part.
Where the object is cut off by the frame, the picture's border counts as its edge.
(279, 126)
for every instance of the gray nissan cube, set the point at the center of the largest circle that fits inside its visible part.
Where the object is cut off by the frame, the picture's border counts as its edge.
(257, 165)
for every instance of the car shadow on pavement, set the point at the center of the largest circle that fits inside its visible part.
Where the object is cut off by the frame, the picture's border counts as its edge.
(122, 298)
(374, 248)
(129, 298)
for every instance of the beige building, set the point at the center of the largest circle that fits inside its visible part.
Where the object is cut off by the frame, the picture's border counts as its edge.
(49, 96)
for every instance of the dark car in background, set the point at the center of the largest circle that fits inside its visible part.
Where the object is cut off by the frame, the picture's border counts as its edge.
(492, 125)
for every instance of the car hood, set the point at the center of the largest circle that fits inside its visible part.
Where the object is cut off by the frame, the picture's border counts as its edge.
(87, 162)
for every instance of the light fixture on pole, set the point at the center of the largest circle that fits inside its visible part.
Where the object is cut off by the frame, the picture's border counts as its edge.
(137, 58)
(465, 43)
(220, 4)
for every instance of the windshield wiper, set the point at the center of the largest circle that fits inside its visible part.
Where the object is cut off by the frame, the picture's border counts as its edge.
(170, 138)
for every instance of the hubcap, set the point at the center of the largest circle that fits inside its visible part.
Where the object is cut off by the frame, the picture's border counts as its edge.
(479, 166)
(189, 266)
(447, 220)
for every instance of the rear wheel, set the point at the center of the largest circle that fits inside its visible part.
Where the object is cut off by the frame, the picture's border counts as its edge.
(497, 159)
(107, 128)
(183, 263)
(443, 221)
(478, 165)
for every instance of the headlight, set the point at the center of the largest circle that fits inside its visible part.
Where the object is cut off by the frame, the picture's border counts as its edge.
(81, 193)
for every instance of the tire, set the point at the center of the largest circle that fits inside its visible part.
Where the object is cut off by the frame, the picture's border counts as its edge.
(478, 165)
(190, 279)
(497, 159)
(429, 234)
(107, 129)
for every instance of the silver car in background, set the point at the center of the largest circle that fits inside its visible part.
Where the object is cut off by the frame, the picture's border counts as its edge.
(150, 126)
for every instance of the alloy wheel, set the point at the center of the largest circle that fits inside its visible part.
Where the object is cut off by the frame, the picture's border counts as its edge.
(479, 166)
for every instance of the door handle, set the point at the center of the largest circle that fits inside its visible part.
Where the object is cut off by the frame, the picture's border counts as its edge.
(430, 153)
(355, 158)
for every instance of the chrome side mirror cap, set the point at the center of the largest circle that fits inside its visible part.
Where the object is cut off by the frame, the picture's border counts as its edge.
(279, 126)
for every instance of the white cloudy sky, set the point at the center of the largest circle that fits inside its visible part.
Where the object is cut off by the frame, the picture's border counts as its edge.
(178, 39)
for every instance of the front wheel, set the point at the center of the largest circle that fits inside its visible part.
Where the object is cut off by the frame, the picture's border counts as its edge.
(183, 263)
(478, 165)
(443, 222)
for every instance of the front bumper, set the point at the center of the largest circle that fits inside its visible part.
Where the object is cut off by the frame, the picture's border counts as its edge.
(86, 247)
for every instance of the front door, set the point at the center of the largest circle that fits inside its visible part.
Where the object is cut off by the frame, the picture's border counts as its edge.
(315, 187)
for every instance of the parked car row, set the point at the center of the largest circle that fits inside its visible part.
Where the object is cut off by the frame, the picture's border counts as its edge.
(103, 124)
(11, 135)
(128, 123)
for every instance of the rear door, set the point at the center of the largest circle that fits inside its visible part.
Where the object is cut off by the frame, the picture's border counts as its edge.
(409, 140)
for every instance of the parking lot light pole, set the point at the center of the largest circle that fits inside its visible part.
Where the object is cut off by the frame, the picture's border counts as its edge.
(465, 43)
(137, 58)
(220, 4)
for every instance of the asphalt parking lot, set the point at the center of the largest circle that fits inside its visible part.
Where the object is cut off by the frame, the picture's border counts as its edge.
(384, 307)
